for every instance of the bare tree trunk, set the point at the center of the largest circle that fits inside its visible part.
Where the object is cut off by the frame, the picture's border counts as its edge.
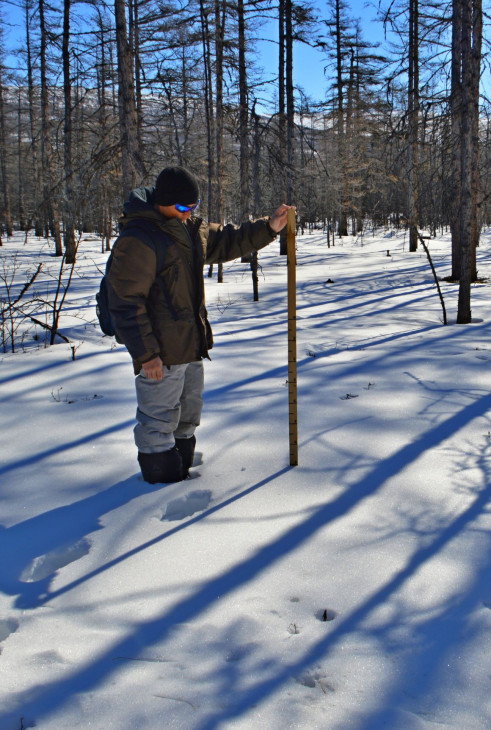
(220, 17)
(68, 213)
(209, 104)
(256, 178)
(282, 117)
(290, 103)
(341, 136)
(471, 66)
(50, 202)
(6, 212)
(214, 110)
(219, 43)
(104, 135)
(348, 142)
(456, 123)
(133, 168)
(20, 165)
(243, 116)
(413, 123)
(208, 92)
(33, 114)
(243, 142)
(134, 43)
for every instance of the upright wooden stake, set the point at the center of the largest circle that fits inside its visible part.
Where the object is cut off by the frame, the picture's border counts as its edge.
(292, 337)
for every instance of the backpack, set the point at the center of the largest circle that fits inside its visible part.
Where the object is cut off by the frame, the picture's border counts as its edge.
(102, 300)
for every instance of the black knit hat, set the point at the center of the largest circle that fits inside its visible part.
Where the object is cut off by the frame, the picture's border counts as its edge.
(176, 185)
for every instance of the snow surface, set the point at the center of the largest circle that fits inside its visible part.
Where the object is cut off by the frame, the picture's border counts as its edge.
(352, 591)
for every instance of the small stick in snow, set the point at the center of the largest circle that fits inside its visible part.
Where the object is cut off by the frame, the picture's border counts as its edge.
(427, 252)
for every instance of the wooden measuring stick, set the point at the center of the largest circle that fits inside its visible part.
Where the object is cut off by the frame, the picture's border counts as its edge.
(292, 337)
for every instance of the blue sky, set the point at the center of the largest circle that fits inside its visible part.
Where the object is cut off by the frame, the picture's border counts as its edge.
(308, 62)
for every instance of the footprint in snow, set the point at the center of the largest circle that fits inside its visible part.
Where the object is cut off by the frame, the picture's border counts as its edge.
(7, 626)
(179, 509)
(48, 659)
(45, 565)
(313, 680)
(241, 652)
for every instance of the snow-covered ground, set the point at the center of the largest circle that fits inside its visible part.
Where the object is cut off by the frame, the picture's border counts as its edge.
(352, 591)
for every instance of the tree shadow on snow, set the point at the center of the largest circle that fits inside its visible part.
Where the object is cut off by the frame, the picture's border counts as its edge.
(32, 551)
(44, 700)
(434, 636)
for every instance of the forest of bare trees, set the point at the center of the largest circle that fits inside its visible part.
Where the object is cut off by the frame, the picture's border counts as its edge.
(96, 97)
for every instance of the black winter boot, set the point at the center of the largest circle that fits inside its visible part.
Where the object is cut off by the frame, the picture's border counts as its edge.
(186, 448)
(165, 466)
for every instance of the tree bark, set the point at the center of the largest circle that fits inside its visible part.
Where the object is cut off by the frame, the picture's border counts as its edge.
(33, 137)
(243, 116)
(208, 94)
(413, 123)
(341, 135)
(455, 132)
(6, 212)
(282, 114)
(68, 213)
(133, 168)
(50, 202)
(134, 44)
(20, 165)
(470, 73)
(220, 17)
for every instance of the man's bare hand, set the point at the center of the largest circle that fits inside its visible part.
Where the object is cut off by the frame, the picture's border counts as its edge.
(153, 369)
(279, 218)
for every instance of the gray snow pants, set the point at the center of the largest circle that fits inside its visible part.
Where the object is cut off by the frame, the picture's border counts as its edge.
(168, 408)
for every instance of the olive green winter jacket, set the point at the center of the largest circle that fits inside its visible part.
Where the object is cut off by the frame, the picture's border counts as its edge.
(163, 313)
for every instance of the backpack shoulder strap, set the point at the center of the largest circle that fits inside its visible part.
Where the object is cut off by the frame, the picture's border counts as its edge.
(144, 230)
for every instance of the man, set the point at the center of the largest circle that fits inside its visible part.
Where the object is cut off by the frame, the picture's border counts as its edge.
(157, 302)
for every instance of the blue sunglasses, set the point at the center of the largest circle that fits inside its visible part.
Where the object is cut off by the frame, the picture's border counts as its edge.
(186, 208)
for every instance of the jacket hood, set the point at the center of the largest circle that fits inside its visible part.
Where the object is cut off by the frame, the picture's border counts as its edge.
(140, 204)
(139, 201)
